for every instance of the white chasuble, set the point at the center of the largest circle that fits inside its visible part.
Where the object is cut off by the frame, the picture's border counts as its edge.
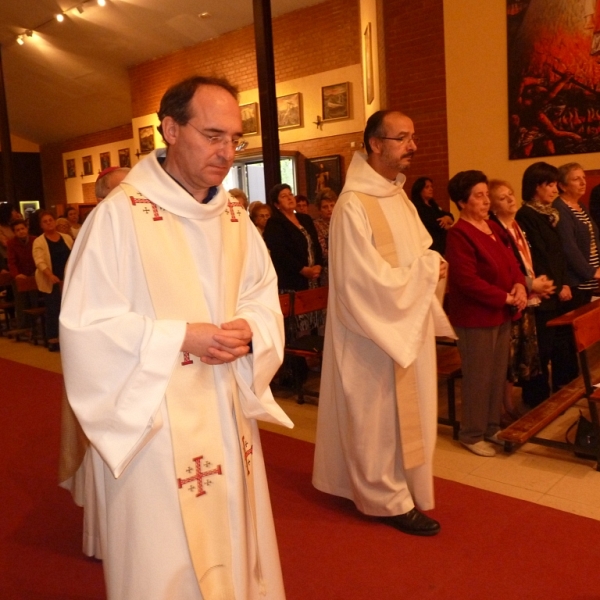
(169, 435)
(379, 316)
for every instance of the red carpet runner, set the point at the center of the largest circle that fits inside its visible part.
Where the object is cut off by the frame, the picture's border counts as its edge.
(490, 546)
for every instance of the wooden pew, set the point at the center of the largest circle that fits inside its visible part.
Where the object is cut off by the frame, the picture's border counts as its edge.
(585, 323)
(449, 370)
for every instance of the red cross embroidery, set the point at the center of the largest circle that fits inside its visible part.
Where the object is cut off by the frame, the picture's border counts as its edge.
(247, 453)
(235, 210)
(135, 201)
(199, 476)
(186, 359)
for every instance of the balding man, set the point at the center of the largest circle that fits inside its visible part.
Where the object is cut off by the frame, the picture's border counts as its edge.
(171, 333)
(378, 401)
(108, 180)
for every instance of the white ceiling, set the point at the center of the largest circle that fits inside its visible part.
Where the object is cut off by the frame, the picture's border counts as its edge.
(70, 78)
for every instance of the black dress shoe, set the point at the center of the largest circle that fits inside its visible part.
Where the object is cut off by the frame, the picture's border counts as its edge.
(413, 522)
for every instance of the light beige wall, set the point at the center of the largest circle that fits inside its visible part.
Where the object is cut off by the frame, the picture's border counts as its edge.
(18, 144)
(477, 95)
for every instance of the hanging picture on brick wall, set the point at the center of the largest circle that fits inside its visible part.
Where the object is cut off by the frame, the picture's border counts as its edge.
(104, 160)
(553, 77)
(323, 172)
(336, 103)
(71, 168)
(146, 139)
(124, 158)
(88, 166)
(289, 111)
(250, 123)
(368, 68)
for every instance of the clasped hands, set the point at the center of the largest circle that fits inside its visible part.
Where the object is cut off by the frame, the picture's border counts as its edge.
(517, 296)
(218, 345)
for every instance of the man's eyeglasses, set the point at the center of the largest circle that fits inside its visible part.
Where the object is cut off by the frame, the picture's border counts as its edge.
(403, 139)
(222, 140)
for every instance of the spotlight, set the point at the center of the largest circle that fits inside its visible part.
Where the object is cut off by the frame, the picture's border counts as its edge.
(29, 33)
(60, 17)
(20, 40)
(101, 2)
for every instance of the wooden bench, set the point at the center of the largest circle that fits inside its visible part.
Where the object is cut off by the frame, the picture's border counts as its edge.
(37, 315)
(449, 370)
(585, 323)
(7, 307)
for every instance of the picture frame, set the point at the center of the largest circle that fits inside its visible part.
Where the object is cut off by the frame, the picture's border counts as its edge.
(88, 165)
(250, 119)
(289, 111)
(125, 158)
(323, 172)
(28, 207)
(71, 172)
(335, 101)
(368, 49)
(146, 139)
(104, 160)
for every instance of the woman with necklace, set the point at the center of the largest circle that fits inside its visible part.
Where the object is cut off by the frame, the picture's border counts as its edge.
(539, 219)
(486, 289)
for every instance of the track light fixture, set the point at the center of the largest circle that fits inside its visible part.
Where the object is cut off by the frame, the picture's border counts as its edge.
(101, 2)
(20, 40)
(60, 17)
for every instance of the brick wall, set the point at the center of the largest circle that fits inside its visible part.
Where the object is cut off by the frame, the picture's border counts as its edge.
(53, 169)
(416, 82)
(306, 41)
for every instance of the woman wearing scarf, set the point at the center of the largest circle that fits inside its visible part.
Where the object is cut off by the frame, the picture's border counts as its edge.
(538, 219)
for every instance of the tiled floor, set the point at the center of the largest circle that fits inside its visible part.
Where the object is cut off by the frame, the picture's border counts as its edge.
(538, 474)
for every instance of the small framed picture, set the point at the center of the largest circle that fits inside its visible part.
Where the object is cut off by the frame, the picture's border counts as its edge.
(146, 139)
(88, 165)
(368, 56)
(323, 172)
(104, 160)
(250, 120)
(28, 207)
(336, 101)
(71, 168)
(124, 158)
(289, 111)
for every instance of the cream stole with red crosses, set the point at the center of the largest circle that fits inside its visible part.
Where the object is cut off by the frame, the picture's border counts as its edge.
(407, 392)
(191, 394)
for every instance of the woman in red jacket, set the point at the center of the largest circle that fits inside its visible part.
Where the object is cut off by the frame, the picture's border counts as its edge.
(486, 289)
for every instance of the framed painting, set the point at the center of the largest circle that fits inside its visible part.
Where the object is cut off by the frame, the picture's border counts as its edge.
(368, 57)
(289, 111)
(104, 160)
(336, 101)
(124, 158)
(146, 139)
(323, 172)
(88, 165)
(71, 168)
(250, 121)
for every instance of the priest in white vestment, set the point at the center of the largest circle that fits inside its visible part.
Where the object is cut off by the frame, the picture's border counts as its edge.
(170, 334)
(378, 401)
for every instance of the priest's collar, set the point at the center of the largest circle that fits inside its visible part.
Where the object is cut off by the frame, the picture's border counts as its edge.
(212, 192)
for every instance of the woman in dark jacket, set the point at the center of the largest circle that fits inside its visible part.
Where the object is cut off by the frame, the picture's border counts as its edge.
(539, 219)
(437, 221)
(293, 243)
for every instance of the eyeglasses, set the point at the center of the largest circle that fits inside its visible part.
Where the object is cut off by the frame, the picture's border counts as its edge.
(222, 141)
(403, 139)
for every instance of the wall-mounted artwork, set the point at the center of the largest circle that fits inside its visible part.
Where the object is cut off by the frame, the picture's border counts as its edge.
(146, 139)
(368, 58)
(289, 111)
(553, 77)
(250, 122)
(124, 158)
(104, 160)
(336, 101)
(323, 172)
(28, 207)
(71, 168)
(88, 166)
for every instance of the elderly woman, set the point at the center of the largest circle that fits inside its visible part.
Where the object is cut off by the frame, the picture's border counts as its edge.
(524, 362)
(51, 251)
(437, 221)
(539, 219)
(325, 202)
(73, 218)
(578, 235)
(260, 213)
(486, 288)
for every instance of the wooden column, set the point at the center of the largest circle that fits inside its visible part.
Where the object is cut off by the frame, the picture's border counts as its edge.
(265, 63)
(7, 166)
